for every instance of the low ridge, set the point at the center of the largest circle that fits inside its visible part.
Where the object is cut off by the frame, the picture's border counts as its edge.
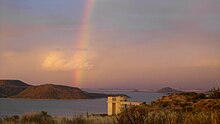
(51, 91)
(168, 90)
(11, 87)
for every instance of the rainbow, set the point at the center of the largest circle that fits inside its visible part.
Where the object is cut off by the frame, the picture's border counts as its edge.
(83, 39)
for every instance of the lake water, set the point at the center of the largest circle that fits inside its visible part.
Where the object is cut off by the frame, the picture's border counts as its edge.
(68, 107)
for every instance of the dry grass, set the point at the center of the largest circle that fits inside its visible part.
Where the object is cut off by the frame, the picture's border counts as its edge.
(133, 115)
(144, 115)
(44, 118)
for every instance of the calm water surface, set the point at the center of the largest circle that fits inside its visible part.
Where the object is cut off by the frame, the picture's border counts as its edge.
(68, 107)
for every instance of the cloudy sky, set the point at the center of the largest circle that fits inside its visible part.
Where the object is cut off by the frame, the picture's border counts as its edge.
(141, 44)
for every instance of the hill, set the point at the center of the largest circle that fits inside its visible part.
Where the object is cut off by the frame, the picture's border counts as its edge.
(51, 91)
(168, 90)
(11, 87)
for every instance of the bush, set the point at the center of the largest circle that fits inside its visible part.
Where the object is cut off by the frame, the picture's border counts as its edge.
(192, 96)
(12, 119)
(215, 94)
(141, 115)
(1, 121)
(40, 118)
(77, 120)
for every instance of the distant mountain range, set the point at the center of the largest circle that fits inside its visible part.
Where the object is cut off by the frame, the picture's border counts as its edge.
(162, 90)
(19, 89)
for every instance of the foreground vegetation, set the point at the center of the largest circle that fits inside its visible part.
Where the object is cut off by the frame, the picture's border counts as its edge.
(183, 108)
(45, 118)
(134, 115)
(139, 115)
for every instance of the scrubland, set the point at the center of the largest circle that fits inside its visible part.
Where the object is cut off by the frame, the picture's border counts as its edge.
(183, 108)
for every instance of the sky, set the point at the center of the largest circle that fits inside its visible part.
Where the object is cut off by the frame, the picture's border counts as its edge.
(142, 44)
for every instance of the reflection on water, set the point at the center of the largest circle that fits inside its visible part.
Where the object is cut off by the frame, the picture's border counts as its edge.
(68, 107)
